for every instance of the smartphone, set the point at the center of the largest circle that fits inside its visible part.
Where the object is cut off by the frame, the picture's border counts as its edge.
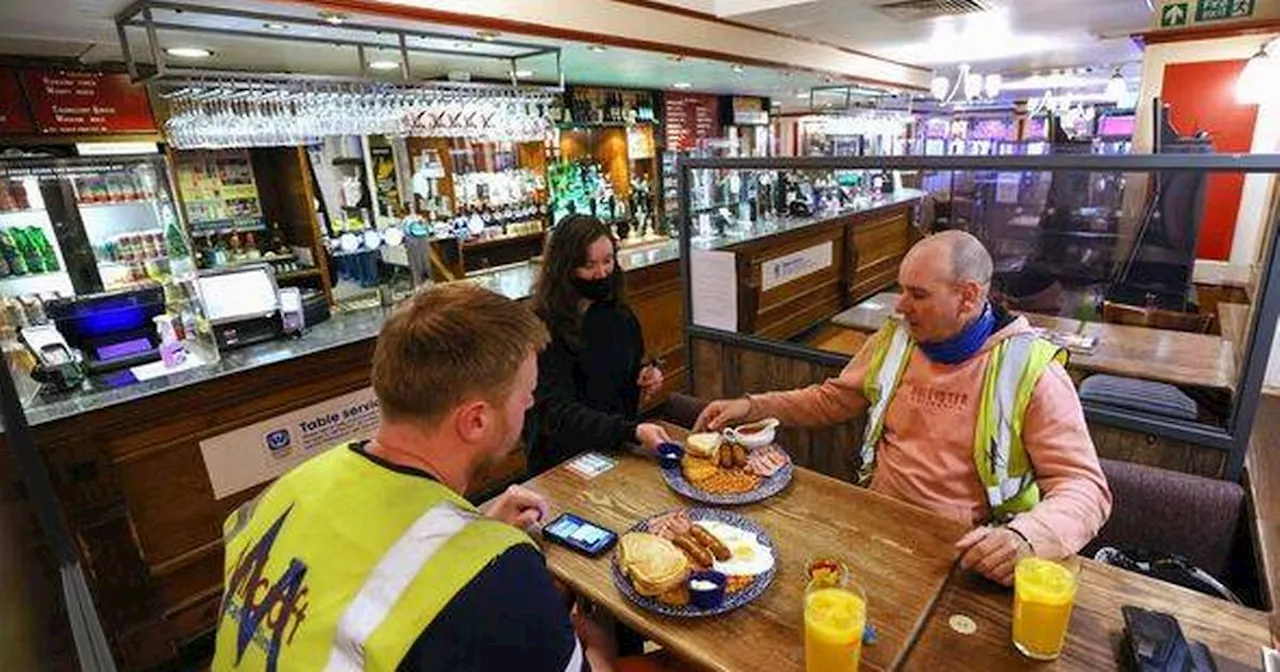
(579, 535)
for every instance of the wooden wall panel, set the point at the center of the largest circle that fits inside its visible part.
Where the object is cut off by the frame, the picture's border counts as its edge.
(877, 249)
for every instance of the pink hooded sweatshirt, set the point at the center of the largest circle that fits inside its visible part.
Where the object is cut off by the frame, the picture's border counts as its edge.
(925, 456)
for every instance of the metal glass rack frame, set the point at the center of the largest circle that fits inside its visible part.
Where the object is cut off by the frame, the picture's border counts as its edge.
(1232, 438)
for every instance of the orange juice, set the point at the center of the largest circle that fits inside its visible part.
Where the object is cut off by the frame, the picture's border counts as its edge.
(1044, 592)
(834, 618)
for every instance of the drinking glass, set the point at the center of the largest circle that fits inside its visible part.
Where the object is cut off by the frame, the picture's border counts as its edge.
(1044, 591)
(835, 617)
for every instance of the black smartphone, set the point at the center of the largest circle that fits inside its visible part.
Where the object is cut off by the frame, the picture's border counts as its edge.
(580, 535)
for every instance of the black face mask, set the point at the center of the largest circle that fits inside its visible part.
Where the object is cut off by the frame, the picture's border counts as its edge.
(594, 290)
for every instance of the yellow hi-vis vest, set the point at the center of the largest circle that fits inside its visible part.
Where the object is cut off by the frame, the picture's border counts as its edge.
(343, 563)
(1014, 368)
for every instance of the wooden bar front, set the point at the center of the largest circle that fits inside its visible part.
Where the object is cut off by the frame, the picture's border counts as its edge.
(134, 488)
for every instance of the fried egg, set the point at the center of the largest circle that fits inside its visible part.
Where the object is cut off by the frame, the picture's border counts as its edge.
(748, 556)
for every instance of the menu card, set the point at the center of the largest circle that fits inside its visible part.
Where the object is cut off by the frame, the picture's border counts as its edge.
(13, 108)
(690, 118)
(80, 102)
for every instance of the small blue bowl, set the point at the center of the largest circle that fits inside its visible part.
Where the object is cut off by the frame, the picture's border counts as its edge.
(669, 455)
(707, 599)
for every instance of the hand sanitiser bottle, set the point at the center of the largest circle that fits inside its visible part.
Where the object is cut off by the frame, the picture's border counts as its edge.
(171, 351)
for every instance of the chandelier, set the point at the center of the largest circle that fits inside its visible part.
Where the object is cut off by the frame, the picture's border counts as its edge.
(972, 85)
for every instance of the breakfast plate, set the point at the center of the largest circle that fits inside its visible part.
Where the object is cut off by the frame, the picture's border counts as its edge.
(734, 468)
(663, 565)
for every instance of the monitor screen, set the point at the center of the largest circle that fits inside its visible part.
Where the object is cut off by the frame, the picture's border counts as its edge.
(239, 294)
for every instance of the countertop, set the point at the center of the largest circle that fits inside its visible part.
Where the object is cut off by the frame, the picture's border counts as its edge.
(343, 328)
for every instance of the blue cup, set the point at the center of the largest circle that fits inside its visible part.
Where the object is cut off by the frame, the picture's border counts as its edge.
(669, 455)
(703, 597)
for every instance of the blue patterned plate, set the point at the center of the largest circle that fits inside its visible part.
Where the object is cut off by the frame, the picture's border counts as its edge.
(768, 487)
(731, 600)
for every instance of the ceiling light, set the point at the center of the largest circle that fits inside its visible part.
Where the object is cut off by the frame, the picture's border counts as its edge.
(992, 84)
(524, 74)
(188, 52)
(487, 35)
(275, 26)
(802, 94)
(596, 48)
(1254, 86)
(335, 18)
(972, 85)
(383, 65)
(682, 85)
(1116, 88)
(736, 67)
(675, 58)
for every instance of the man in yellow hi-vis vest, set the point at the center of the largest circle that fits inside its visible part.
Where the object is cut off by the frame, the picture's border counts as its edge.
(969, 414)
(367, 557)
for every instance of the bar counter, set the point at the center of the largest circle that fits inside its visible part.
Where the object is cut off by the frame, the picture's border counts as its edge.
(134, 467)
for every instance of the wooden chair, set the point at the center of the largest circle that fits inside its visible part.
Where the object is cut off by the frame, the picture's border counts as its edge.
(1156, 318)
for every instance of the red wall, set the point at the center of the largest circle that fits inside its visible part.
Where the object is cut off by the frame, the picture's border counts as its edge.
(1203, 97)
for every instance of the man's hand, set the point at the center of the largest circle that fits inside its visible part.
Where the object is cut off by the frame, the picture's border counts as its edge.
(993, 552)
(519, 507)
(720, 414)
(594, 629)
(649, 436)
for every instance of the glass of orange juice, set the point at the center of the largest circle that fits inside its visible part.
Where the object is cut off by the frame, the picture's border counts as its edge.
(1043, 593)
(835, 616)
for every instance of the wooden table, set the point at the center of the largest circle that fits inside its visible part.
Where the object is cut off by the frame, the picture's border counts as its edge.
(1233, 633)
(1177, 357)
(903, 557)
(901, 554)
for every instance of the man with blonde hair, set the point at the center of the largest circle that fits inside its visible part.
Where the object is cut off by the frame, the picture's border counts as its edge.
(369, 557)
(969, 414)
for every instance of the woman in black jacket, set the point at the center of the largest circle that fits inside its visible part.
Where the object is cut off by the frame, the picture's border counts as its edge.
(591, 378)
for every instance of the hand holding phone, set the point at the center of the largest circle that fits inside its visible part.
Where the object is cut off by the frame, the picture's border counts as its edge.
(579, 535)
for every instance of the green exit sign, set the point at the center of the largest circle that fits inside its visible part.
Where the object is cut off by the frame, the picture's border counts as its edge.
(1220, 10)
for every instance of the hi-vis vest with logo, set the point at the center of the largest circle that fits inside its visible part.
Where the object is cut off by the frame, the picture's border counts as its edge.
(1013, 369)
(343, 563)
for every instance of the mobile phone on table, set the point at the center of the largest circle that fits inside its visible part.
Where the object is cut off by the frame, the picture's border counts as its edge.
(581, 535)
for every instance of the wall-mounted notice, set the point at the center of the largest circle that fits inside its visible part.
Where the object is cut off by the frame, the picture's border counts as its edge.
(788, 267)
(82, 102)
(713, 277)
(263, 451)
(13, 107)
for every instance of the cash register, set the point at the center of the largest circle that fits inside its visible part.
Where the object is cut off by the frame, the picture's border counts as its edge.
(241, 304)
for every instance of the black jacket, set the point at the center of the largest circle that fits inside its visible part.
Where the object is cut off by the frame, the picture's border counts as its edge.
(587, 397)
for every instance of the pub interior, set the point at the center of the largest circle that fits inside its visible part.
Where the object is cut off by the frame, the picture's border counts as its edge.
(212, 210)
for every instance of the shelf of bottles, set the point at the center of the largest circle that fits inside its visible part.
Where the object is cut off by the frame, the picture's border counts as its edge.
(600, 107)
(503, 201)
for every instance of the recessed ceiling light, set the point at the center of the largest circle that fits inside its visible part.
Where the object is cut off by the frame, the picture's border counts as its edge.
(188, 52)
(596, 48)
(682, 85)
(487, 35)
(275, 26)
(335, 18)
(524, 74)
(383, 65)
(802, 94)
(737, 67)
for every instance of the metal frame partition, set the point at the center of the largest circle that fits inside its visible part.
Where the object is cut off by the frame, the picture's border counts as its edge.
(1233, 438)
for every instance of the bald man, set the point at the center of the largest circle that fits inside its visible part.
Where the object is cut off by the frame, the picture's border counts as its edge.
(969, 414)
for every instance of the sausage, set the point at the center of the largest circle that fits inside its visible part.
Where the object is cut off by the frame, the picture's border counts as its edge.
(726, 456)
(717, 547)
(739, 455)
(699, 555)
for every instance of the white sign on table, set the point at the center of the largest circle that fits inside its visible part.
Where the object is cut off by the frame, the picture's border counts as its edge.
(788, 267)
(713, 278)
(263, 451)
